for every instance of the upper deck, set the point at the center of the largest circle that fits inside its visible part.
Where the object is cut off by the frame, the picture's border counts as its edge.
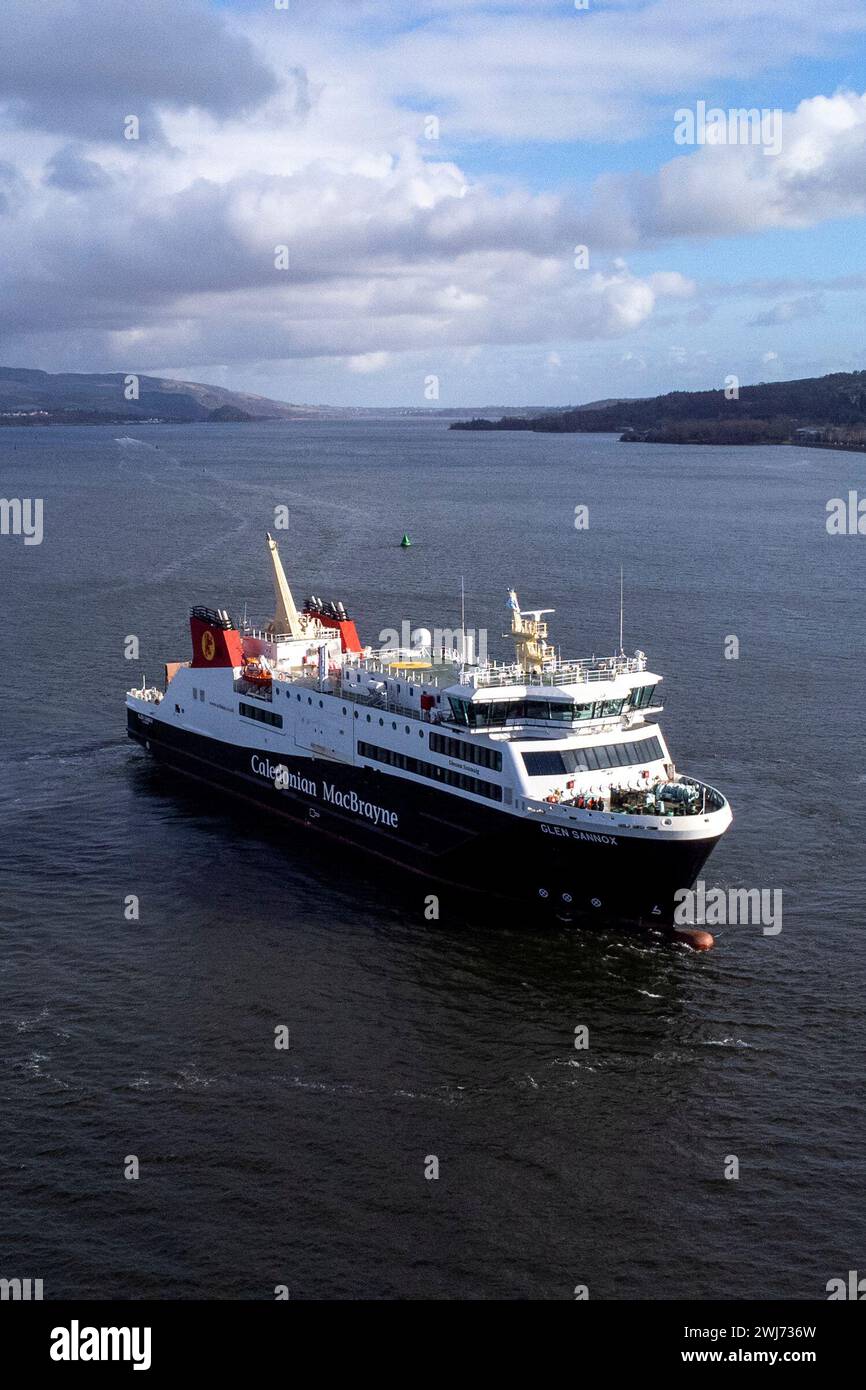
(440, 668)
(556, 671)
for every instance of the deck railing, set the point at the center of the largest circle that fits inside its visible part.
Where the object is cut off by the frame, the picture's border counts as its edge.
(710, 800)
(559, 672)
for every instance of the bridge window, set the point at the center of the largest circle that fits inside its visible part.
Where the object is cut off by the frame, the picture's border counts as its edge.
(544, 764)
(603, 757)
(642, 696)
(480, 714)
(459, 709)
(561, 711)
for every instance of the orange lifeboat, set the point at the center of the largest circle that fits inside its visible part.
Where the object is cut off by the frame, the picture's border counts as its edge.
(257, 673)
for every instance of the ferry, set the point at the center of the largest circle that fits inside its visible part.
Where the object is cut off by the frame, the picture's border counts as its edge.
(543, 785)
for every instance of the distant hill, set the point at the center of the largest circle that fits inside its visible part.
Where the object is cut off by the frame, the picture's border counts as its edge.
(31, 397)
(94, 397)
(769, 412)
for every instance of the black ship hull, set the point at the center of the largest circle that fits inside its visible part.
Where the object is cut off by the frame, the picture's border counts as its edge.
(487, 859)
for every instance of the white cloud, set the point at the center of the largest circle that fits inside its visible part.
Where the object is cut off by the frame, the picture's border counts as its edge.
(271, 130)
(368, 362)
(541, 70)
(673, 285)
(819, 173)
(81, 66)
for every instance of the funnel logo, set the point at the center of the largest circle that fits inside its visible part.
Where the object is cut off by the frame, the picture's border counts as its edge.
(208, 646)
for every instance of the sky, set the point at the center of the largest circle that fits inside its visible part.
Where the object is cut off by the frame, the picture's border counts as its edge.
(434, 202)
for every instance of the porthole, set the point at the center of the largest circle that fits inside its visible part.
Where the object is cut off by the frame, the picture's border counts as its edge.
(393, 724)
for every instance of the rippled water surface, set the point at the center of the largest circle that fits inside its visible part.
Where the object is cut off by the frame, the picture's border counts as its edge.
(557, 1167)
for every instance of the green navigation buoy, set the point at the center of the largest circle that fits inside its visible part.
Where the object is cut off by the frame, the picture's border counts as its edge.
(405, 542)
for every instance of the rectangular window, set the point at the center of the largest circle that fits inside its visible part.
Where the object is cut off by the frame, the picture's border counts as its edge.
(643, 750)
(467, 752)
(458, 709)
(482, 714)
(261, 716)
(604, 757)
(642, 696)
(445, 775)
(544, 764)
(561, 712)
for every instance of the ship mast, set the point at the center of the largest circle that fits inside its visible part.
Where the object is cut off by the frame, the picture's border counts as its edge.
(286, 617)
